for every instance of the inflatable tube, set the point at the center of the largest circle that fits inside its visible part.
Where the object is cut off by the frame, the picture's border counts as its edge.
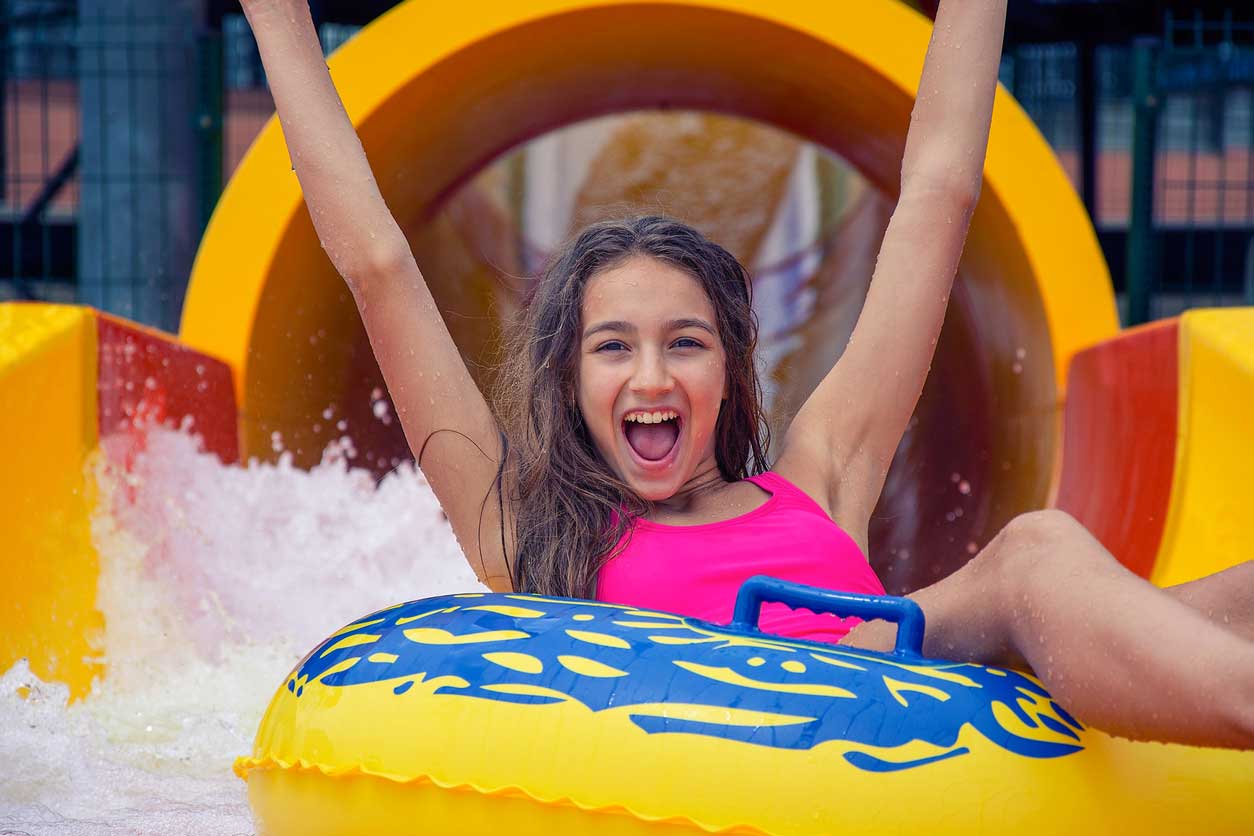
(498, 713)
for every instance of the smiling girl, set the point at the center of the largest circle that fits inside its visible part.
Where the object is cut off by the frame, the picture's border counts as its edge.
(630, 461)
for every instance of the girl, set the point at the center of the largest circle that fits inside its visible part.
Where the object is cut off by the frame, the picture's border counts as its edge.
(634, 427)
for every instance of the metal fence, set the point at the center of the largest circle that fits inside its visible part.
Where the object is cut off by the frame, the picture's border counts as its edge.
(120, 120)
(1169, 179)
(39, 150)
(1195, 99)
(107, 151)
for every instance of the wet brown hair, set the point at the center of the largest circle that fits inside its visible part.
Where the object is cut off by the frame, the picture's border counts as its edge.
(569, 508)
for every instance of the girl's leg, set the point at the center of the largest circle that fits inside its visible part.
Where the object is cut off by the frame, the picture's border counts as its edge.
(1121, 654)
(1226, 598)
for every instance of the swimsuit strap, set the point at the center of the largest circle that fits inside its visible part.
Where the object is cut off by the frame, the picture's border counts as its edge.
(779, 486)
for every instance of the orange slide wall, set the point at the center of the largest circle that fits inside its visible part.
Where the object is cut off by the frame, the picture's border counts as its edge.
(73, 380)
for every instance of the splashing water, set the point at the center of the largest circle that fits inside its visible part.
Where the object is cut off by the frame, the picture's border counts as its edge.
(214, 582)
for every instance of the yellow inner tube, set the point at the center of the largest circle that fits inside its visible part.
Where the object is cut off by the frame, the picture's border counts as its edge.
(486, 713)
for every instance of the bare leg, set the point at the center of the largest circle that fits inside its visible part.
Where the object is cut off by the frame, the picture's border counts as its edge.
(1226, 598)
(1121, 654)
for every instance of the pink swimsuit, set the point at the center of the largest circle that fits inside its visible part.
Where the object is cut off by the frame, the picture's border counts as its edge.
(696, 570)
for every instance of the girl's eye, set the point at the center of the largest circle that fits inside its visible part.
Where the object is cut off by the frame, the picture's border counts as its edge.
(612, 345)
(688, 342)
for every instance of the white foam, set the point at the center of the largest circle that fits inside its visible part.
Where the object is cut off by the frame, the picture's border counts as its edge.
(214, 581)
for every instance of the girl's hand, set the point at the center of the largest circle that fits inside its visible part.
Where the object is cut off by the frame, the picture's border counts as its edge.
(262, 13)
(254, 6)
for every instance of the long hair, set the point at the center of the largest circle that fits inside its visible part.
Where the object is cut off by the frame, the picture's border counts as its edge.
(569, 508)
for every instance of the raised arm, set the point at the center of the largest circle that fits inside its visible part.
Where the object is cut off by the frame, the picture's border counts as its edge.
(843, 439)
(429, 384)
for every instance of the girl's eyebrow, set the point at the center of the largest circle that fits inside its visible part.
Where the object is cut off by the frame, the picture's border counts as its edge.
(690, 322)
(627, 327)
(613, 325)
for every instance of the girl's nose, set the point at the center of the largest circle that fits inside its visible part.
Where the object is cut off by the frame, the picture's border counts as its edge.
(651, 374)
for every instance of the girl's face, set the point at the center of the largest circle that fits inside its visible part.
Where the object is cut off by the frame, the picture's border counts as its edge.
(652, 374)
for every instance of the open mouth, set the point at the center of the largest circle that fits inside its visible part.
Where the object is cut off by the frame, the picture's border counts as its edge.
(654, 436)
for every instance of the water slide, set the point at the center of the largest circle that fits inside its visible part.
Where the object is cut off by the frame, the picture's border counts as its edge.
(432, 110)
(1157, 452)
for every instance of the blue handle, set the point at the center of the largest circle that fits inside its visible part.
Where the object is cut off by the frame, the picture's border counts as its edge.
(759, 589)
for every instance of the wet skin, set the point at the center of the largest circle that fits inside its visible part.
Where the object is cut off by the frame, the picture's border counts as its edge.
(649, 341)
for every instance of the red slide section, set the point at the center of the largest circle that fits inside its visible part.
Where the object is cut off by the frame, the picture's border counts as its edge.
(1119, 444)
(145, 378)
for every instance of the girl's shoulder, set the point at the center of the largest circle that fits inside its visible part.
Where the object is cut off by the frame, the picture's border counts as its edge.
(802, 475)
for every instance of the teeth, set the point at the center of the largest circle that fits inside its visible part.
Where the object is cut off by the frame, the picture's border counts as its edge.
(653, 417)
